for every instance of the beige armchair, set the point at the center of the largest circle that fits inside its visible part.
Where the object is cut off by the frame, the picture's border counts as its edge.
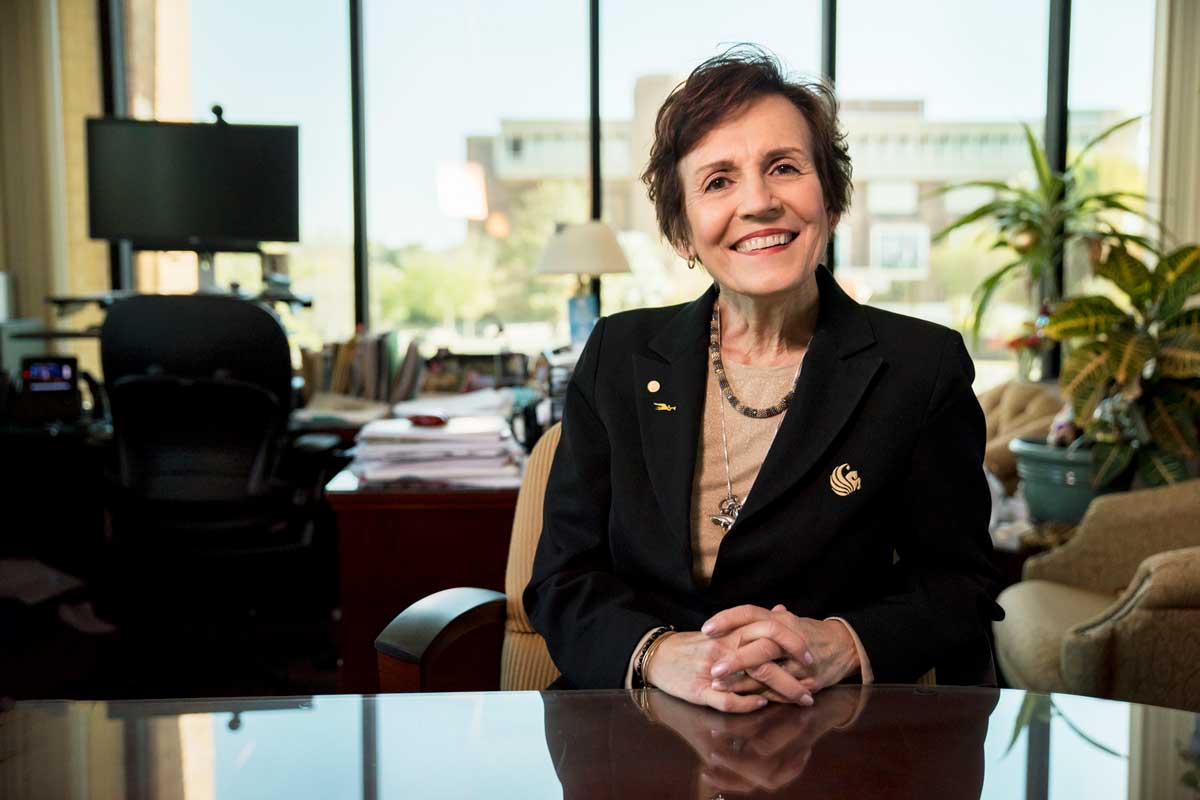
(1114, 612)
(1012, 410)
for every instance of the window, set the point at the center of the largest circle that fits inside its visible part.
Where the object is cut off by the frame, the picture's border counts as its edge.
(902, 77)
(646, 49)
(1103, 91)
(901, 249)
(477, 145)
(184, 58)
(478, 141)
(897, 198)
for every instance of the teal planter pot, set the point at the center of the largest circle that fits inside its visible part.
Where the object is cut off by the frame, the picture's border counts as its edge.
(1058, 480)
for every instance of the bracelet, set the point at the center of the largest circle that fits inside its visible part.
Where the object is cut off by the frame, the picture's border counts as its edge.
(650, 654)
(639, 663)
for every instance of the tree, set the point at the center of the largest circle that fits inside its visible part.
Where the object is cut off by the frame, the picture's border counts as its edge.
(521, 294)
(425, 287)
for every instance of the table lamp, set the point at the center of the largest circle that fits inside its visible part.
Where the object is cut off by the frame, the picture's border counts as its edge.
(583, 249)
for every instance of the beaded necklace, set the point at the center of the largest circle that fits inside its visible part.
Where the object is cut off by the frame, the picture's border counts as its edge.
(729, 507)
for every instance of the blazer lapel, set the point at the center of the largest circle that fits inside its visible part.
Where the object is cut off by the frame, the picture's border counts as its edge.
(669, 418)
(833, 381)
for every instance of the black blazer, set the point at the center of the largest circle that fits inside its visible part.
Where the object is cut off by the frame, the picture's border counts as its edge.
(904, 559)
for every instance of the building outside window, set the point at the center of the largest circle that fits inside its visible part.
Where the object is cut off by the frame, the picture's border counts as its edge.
(901, 250)
(843, 243)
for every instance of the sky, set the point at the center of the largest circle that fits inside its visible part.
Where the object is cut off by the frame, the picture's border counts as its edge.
(438, 72)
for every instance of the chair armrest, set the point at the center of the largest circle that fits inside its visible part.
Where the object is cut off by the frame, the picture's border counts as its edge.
(1171, 579)
(315, 443)
(311, 458)
(1117, 533)
(1141, 632)
(435, 644)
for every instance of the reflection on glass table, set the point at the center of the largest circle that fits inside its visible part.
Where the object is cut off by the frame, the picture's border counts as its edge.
(854, 742)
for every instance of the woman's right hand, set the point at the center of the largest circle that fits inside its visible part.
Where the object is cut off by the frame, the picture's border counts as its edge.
(682, 667)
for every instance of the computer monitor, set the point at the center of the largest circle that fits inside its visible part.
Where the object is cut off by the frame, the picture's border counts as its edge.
(193, 186)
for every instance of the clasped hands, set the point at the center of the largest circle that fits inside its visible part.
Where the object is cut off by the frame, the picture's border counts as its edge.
(744, 657)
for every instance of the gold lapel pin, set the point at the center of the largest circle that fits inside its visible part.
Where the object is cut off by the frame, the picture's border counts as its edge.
(653, 386)
(844, 480)
(664, 407)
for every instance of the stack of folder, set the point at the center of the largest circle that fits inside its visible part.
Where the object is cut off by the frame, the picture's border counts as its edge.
(469, 451)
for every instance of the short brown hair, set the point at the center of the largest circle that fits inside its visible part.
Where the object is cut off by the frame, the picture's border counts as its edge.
(714, 91)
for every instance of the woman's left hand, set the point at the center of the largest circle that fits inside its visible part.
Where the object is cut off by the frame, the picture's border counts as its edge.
(787, 655)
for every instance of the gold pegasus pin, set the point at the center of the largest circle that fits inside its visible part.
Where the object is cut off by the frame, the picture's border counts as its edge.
(664, 407)
(844, 480)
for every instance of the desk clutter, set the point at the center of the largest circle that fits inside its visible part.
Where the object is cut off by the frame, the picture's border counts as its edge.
(475, 451)
(372, 367)
(369, 366)
(460, 419)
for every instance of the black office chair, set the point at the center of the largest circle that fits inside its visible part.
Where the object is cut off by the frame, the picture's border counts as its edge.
(212, 502)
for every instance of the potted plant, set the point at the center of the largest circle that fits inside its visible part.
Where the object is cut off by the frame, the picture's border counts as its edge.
(1131, 379)
(1034, 222)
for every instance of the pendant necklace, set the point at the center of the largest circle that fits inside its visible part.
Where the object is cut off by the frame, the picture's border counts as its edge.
(731, 505)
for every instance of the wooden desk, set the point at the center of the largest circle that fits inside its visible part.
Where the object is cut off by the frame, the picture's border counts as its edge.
(397, 544)
(878, 742)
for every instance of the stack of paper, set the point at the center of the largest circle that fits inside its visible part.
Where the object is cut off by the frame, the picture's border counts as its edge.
(339, 409)
(481, 402)
(474, 451)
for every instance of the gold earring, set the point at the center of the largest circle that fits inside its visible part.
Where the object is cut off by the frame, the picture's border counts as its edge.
(692, 262)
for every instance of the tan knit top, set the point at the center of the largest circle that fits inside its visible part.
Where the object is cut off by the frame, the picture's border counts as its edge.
(749, 439)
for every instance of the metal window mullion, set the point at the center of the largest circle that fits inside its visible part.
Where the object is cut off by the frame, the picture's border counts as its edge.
(358, 160)
(111, 14)
(1055, 138)
(594, 122)
(594, 107)
(829, 70)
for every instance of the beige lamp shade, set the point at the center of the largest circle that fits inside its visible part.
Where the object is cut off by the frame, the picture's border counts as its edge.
(587, 248)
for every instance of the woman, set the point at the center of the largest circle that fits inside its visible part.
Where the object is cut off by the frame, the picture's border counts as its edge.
(770, 489)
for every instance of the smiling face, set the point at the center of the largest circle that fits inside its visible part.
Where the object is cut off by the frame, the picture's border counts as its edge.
(754, 203)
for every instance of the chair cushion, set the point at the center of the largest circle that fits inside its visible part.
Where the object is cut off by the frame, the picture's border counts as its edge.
(1029, 638)
(1014, 403)
(527, 527)
(525, 663)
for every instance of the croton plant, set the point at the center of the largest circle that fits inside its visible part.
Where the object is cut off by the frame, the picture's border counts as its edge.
(1132, 375)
